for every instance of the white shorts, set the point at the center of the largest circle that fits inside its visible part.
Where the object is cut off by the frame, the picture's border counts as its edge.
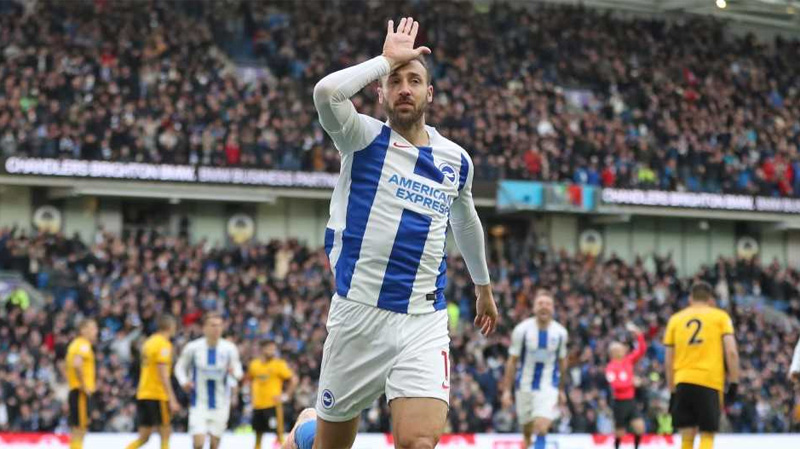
(212, 422)
(370, 351)
(537, 404)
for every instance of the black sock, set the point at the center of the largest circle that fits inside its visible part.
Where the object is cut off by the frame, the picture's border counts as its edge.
(617, 442)
(636, 440)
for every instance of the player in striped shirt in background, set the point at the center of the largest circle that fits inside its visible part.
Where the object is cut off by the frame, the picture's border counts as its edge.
(539, 347)
(209, 369)
(620, 377)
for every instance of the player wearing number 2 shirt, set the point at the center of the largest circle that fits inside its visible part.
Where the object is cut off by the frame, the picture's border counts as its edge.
(400, 184)
(701, 350)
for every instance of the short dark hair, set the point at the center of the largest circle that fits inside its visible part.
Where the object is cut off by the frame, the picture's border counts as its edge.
(165, 322)
(210, 316)
(421, 59)
(701, 291)
(265, 343)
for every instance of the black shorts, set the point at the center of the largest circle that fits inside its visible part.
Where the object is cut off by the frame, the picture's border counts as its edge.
(152, 413)
(625, 411)
(696, 406)
(265, 420)
(80, 406)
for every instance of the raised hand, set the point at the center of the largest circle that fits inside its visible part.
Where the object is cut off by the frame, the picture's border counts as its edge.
(398, 47)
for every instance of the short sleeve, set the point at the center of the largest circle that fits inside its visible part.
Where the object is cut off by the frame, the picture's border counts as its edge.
(669, 335)
(285, 372)
(562, 351)
(517, 341)
(727, 324)
(251, 369)
(164, 355)
(84, 350)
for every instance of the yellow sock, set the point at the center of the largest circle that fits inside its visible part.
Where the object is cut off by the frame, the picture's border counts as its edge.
(164, 443)
(258, 441)
(687, 443)
(136, 444)
(706, 440)
(76, 443)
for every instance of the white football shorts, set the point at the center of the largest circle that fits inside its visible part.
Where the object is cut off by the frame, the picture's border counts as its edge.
(208, 422)
(537, 404)
(370, 351)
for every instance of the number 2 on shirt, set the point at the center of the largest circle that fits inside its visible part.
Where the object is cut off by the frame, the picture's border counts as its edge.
(695, 340)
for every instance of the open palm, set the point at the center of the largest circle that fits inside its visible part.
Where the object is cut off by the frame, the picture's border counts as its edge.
(398, 47)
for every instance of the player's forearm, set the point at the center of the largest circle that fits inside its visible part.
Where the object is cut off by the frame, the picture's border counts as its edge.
(181, 374)
(182, 366)
(562, 378)
(163, 375)
(670, 375)
(293, 382)
(732, 359)
(510, 374)
(238, 372)
(81, 378)
(641, 346)
(468, 233)
(332, 93)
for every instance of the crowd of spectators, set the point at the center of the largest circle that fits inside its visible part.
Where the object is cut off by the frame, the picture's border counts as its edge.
(534, 92)
(281, 291)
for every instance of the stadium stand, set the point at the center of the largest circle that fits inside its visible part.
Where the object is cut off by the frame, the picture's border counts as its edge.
(281, 290)
(543, 93)
(561, 94)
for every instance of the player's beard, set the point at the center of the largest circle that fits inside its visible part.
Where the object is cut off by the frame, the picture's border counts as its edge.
(405, 120)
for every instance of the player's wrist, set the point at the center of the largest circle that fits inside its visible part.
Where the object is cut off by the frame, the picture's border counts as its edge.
(391, 62)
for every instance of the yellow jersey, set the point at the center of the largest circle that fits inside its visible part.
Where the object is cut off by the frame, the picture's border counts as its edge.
(80, 347)
(157, 350)
(268, 378)
(696, 334)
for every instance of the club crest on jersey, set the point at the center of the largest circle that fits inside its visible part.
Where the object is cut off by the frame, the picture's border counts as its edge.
(448, 172)
(327, 399)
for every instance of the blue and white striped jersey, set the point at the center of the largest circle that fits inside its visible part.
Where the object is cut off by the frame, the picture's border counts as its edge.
(390, 209)
(212, 369)
(539, 352)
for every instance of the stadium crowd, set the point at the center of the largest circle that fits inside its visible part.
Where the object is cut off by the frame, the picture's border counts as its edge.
(545, 93)
(281, 291)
